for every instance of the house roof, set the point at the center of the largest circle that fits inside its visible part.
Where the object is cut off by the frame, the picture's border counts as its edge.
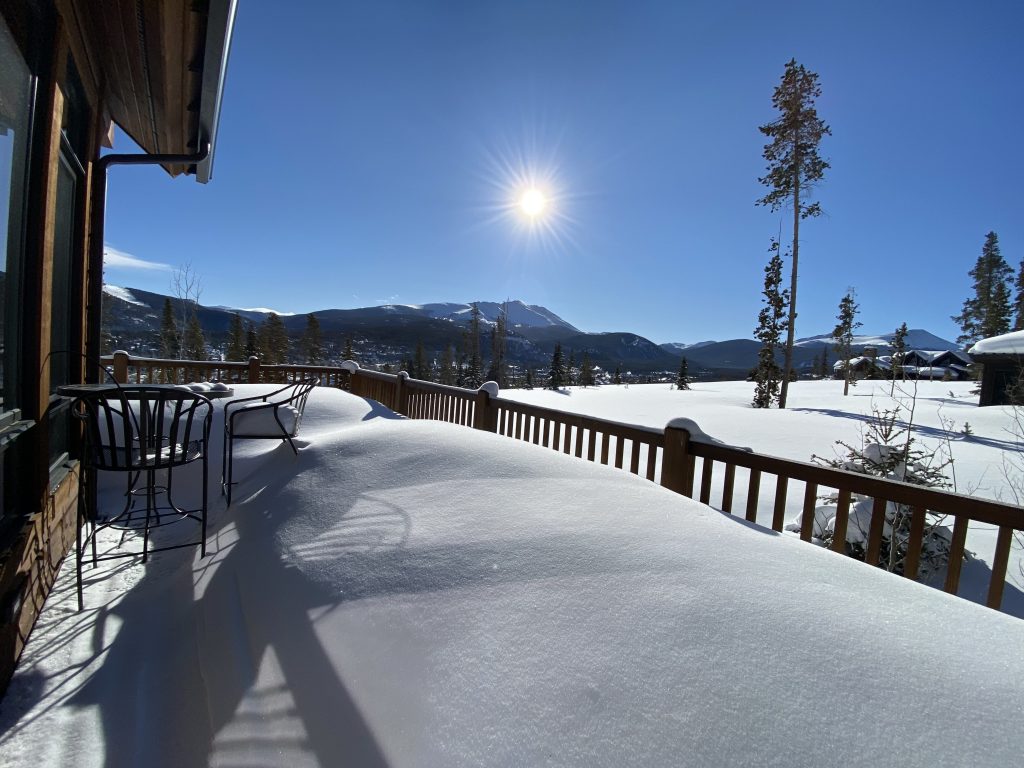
(1008, 344)
(158, 67)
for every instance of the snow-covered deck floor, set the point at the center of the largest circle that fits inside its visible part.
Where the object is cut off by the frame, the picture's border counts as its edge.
(408, 593)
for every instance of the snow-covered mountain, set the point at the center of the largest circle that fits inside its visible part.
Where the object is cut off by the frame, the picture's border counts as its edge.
(519, 313)
(916, 339)
(678, 346)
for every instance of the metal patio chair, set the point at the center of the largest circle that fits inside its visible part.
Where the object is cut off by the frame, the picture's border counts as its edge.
(141, 431)
(274, 416)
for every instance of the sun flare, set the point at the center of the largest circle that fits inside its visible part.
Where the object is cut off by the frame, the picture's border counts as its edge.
(533, 202)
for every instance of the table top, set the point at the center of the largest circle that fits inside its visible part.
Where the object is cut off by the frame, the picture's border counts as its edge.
(80, 390)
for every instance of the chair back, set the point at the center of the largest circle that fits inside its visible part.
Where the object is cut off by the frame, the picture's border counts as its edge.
(144, 427)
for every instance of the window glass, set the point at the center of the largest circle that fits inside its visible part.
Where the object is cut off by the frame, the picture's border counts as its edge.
(15, 104)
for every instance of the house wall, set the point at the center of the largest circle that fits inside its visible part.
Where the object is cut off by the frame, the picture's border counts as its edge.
(46, 290)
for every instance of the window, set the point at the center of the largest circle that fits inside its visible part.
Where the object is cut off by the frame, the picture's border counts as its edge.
(15, 109)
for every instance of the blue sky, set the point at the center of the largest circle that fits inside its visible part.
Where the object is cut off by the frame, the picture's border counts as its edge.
(372, 152)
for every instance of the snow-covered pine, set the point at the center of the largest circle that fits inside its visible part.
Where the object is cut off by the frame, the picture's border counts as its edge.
(888, 450)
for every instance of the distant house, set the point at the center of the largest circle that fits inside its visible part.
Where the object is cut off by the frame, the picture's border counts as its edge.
(1002, 361)
(936, 364)
(862, 367)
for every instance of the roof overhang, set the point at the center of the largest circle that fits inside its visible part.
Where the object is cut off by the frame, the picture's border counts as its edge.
(158, 68)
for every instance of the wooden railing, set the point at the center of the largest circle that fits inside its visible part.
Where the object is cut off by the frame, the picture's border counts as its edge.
(151, 370)
(674, 451)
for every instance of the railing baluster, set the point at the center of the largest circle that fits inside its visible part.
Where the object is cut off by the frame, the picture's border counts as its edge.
(874, 551)
(591, 443)
(807, 516)
(579, 440)
(620, 445)
(956, 554)
(634, 458)
(705, 480)
(727, 486)
(547, 433)
(779, 511)
(652, 461)
(753, 491)
(999, 563)
(841, 521)
(913, 559)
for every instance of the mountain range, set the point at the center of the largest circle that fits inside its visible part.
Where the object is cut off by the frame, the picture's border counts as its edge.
(391, 332)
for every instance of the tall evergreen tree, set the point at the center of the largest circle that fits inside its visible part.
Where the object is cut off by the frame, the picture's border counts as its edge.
(195, 343)
(473, 376)
(1018, 299)
(617, 376)
(236, 341)
(273, 340)
(556, 374)
(498, 371)
(683, 377)
(446, 374)
(586, 371)
(987, 312)
(842, 334)
(794, 167)
(771, 323)
(349, 353)
(420, 366)
(899, 354)
(570, 369)
(252, 340)
(826, 366)
(312, 344)
(169, 340)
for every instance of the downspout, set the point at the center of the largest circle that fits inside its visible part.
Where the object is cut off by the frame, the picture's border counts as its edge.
(97, 215)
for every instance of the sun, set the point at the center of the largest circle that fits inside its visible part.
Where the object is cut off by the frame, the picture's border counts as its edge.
(533, 202)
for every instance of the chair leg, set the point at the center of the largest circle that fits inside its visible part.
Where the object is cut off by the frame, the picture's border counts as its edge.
(202, 541)
(229, 464)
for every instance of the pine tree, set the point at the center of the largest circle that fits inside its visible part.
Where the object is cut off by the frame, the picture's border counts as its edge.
(987, 312)
(842, 334)
(556, 374)
(899, 353)
(169, 341)
(473, 376)
(617, 377)
(570, 369)
(420, 367)
(1018, 299)
(528, 384)
(446, 374)
(349, 353)
(498, 371)
(586, 371)
(195, 344)
(252, 341)
(826, 367)
(273, 341)
(794, 167)
(683, 378)
(771, 323)
(312, 342)
(236, 341)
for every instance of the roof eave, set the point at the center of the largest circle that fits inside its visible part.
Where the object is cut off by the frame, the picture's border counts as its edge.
(219, 28)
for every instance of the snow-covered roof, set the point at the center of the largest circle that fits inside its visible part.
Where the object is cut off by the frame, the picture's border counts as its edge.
(1007, 344)
(409, 593)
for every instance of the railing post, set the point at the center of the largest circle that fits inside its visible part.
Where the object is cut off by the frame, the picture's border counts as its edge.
(485, 412)
(121, 367)
(401, 393)
(676, 462)
(254, 370)
(352, 368)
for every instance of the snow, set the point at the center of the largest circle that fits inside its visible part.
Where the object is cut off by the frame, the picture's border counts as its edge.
(122, 293)
(1006, 344)
(985, 461)
(265, 311)
(916, 338)
(412, 593)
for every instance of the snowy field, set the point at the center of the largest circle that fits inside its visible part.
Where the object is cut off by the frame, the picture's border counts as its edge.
(987, 462)
(411, 593)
